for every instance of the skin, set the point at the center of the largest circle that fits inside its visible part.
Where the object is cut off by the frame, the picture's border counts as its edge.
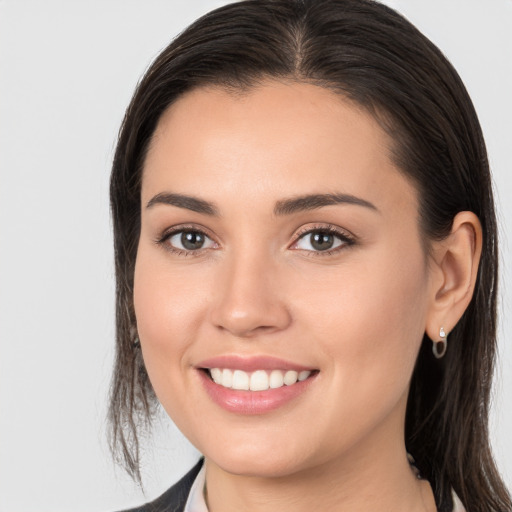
(357, 313)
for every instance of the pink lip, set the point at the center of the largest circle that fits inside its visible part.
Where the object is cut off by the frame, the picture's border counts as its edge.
(251, 363)
(252, 402)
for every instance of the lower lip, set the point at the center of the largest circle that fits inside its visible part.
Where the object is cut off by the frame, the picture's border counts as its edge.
(253, 402)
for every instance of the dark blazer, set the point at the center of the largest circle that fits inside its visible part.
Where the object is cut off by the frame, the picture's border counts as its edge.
(174, 499)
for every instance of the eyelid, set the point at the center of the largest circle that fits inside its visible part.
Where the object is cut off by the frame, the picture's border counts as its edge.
(344, 235)
(168, 233)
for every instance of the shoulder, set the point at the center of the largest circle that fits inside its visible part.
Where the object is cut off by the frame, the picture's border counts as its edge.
(174, 499)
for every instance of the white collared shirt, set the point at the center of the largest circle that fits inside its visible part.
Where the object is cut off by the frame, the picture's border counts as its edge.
(196, 502)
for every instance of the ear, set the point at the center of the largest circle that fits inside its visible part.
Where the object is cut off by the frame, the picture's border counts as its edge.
(453, 273)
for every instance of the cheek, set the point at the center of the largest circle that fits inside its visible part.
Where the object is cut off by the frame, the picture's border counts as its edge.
(369, 319)
(166, 322)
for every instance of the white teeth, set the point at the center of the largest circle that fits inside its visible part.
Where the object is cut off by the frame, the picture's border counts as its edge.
(260, 380)
(290, 377)
(276, 379)
(216, 375)
(304, 375)
(240, 380)
(227, 378)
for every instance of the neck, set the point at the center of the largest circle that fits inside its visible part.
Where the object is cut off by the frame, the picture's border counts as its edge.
(376, 477)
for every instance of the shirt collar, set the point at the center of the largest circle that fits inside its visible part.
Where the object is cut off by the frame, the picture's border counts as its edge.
(195, 501)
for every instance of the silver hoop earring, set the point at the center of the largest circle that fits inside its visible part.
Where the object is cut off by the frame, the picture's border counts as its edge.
(439, 347)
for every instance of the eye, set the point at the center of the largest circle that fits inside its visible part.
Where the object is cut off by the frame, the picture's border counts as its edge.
(322, 240)
(189, 240)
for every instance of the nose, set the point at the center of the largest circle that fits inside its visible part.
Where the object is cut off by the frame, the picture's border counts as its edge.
(249, 300)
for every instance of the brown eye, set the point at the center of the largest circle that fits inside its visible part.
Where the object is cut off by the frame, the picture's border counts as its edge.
(319, 240)
(322, 241)
(190, 240)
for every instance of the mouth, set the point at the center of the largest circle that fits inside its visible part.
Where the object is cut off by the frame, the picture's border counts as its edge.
(258, 380)
(254, 385)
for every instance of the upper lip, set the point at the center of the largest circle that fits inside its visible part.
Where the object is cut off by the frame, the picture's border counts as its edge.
(251, 363)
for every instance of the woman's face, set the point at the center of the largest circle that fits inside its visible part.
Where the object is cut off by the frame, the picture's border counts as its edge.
(280, 251)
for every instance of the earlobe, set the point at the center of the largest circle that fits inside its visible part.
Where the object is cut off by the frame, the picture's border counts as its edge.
(455, 269)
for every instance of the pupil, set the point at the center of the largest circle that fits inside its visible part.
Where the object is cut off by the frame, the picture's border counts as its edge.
(191, 240)
(322, 241)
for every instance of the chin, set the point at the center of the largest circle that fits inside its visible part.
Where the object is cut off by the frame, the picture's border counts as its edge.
(275, 468)
(256, 461)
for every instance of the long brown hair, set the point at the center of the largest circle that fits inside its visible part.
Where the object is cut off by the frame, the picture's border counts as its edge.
(372, 55)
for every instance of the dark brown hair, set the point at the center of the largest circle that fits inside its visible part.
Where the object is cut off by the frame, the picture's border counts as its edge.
(372, 55)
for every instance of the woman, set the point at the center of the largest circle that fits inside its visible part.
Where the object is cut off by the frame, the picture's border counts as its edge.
(306, 265)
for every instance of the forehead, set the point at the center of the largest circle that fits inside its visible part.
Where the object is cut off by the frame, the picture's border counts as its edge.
(277, 138)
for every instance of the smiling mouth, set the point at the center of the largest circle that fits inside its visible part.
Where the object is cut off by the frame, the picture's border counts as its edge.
(259, 380)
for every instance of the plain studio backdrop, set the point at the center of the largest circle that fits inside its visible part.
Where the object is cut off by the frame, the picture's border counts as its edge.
(67, 72)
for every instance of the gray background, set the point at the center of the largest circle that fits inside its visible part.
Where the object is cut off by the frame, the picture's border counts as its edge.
(67, 71)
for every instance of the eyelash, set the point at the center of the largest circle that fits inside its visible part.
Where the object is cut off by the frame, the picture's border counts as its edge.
(346, 239)
(167, 235)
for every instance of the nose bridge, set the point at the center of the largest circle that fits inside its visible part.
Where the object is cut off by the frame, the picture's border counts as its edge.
(248, 297)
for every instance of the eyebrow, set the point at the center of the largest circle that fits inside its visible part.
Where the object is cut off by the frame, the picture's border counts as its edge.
(315, 201)
(183, 201)
(282, 207)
